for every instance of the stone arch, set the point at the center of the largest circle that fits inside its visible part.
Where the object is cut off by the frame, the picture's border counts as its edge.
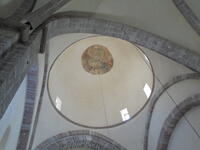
(155, 98)
(79, 139)
(80, 22)
(31, 90)
(188, 14)
(5, 138)
(173, 119)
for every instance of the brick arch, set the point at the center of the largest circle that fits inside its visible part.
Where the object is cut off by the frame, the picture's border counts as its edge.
(173, 119)
(188, 14)
(80, 22)
(30, 102)
(155, 99)
(79, 139)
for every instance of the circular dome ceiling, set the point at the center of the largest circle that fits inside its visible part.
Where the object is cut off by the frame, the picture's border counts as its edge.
(100, 82)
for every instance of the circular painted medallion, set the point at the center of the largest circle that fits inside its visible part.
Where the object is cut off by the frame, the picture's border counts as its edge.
(97, 59)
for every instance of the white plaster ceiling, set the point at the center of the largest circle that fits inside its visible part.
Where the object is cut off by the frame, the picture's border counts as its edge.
(160, 17)
(97, 100)
(195, 6)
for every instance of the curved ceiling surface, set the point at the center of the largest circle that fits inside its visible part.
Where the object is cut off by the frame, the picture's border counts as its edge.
(100, 82)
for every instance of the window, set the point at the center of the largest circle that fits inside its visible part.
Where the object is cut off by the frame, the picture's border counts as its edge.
(124, 114)
(58, 103)
(147, 90)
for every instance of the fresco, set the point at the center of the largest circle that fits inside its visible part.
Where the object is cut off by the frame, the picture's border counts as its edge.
(97, 59)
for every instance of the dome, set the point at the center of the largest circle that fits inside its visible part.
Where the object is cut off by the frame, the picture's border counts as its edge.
(100, 82)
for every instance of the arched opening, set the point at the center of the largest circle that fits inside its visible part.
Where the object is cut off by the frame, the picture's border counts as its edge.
(79, 140)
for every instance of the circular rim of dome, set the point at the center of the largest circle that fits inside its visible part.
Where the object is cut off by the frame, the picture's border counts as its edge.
(99, 127)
